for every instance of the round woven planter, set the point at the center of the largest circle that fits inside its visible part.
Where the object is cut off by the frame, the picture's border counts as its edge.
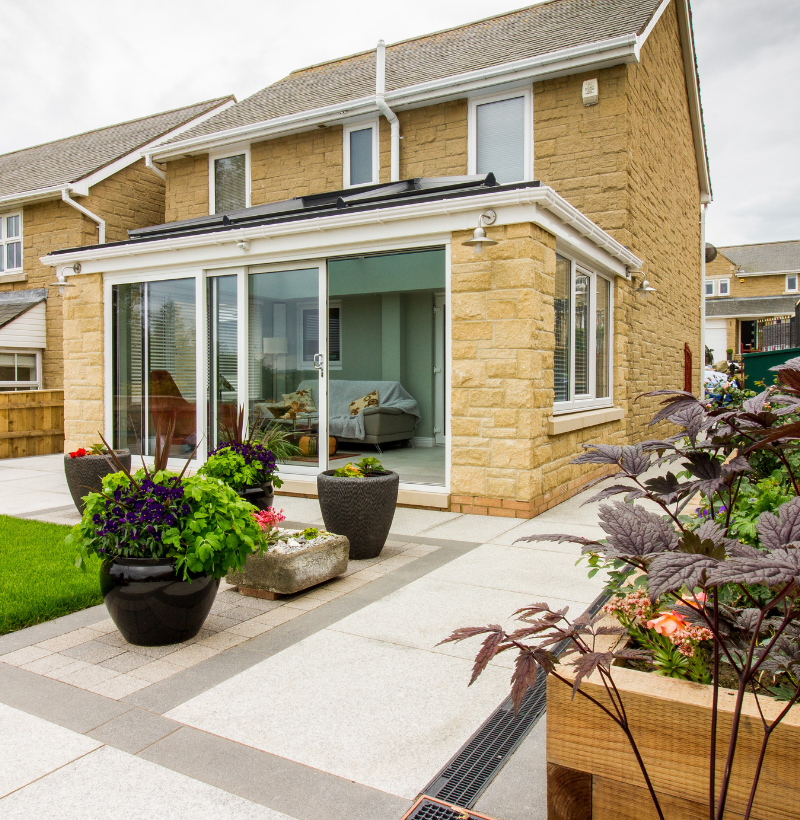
(360, 508)
(85, 474)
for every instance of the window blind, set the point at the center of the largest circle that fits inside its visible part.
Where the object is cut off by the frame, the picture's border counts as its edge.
(361, 156)
(500, 130)
(581, 334)
(171, 333)
(602, 333)
(562, 311)
(311, 335)
(230, 185)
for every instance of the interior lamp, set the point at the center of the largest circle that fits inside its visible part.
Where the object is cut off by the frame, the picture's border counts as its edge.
(479, 238)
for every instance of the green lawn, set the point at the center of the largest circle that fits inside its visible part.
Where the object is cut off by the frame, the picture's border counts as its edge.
(38, 577)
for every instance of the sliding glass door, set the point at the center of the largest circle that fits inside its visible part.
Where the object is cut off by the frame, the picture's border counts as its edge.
(287, 378)
(223, 363)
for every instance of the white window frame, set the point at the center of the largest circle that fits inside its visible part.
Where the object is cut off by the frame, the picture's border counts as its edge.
(796, 278)
(713, 283)
(231, 152)
(588, 401)
(5, 386)
(472, 128)
(303, 364)
(720, 283)
(4, 241)
(376, 160)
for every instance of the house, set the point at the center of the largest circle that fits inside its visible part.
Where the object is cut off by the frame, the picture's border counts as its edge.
(748, 287)
(82, 190)
(434, 249)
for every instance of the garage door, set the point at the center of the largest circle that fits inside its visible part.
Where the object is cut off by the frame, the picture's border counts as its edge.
(717, 338)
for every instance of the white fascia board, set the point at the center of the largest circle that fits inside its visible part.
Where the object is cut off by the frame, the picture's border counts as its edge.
(692, 87)
(404, 225)
(28, 197)
(81, 187)
(565, 61)
(742, 275)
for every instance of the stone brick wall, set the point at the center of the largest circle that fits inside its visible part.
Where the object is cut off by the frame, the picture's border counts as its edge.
(187, 188)
(297, 165)
(665, 225)
(433, 144)
(503, 461)
(83, 361)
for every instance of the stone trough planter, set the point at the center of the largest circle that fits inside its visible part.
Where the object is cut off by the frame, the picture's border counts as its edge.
(273, 574)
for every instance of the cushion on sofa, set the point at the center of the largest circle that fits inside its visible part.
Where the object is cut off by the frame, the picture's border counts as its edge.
(370, 400)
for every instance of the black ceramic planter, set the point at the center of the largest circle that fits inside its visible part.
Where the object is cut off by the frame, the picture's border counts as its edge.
(360, 508)
(85, 474)
(151, 605)
(261, 497)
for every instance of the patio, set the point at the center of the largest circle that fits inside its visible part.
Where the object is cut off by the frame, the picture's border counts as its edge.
(334, 703)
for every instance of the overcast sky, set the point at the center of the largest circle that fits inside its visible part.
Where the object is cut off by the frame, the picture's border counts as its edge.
(73, 65)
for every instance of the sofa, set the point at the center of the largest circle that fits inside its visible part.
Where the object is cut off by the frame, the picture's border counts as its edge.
(394, 419)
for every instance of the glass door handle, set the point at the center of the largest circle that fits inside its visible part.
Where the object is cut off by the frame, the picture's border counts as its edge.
(319, 362)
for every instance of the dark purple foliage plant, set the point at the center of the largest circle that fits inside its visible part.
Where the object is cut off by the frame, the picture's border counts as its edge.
(741, 601)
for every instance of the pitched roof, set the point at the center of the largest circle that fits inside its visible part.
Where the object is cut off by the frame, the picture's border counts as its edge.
(752, 306)
(765, 257)
(14, 303)
(505, 38)
(71, 159)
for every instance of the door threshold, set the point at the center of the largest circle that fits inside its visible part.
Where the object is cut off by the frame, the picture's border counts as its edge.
(436, 498)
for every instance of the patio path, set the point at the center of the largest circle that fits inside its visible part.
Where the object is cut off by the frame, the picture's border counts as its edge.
(332, 704)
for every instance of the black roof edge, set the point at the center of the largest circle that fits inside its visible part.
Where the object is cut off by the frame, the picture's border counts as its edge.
(326, 205)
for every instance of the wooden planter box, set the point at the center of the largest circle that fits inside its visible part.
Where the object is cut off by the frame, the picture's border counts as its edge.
(593, 775)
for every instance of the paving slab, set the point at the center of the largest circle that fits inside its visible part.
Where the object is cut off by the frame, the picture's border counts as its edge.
(109, 784)
(382, 715)
(409, 521)
(516, 569)
(472, 528)
(539, 526)
(281, 784)
(134, 730)
(31, 748)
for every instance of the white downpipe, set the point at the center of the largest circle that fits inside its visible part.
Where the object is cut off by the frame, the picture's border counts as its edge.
(101, 223)
(380, 90)
(703, 300)
(148, 161)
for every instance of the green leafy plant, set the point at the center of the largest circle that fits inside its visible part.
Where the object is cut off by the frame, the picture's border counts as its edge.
(244, 465)
(310, 533)
(360, 469)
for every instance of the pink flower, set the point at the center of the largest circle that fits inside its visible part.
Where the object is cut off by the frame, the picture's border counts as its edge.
(667, 623)
(696, 600)
(268, 519)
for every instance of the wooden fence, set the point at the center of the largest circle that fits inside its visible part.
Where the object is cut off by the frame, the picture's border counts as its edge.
(31, 423)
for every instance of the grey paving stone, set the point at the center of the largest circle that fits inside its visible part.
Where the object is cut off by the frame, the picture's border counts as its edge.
(219, 623)
(126, 661)
(519, 790)
(52, 629)
(280, 784)
(57, 702)
(113, 639)
(134, 730)
(154, 651)
(92, 652)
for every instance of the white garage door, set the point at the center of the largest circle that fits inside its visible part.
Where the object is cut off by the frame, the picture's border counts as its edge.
(717, 338)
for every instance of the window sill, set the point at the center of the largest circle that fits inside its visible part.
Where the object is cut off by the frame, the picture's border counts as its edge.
(569, 422)
(19, 276)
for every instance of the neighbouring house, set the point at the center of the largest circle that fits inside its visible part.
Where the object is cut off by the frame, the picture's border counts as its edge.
(431, 249)
(82, 190)
(751, 294)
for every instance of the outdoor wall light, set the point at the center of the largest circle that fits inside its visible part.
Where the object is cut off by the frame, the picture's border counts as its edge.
(61, 280)
(479, 238)
(644, 289)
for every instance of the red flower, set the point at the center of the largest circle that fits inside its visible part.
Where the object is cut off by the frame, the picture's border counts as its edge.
(79, 452)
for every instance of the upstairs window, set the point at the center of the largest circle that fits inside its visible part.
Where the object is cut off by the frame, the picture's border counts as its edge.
(724, 287)
(584, 325)
(11, 242)
(361, 164)
(500, 137)
(791, 283)
(229, 182)
(709, 287)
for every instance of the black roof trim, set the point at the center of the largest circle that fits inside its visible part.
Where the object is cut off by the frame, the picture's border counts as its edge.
(373, 197)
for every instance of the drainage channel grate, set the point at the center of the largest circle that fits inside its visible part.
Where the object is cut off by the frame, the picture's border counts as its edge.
(426, 808)
(467, 775)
